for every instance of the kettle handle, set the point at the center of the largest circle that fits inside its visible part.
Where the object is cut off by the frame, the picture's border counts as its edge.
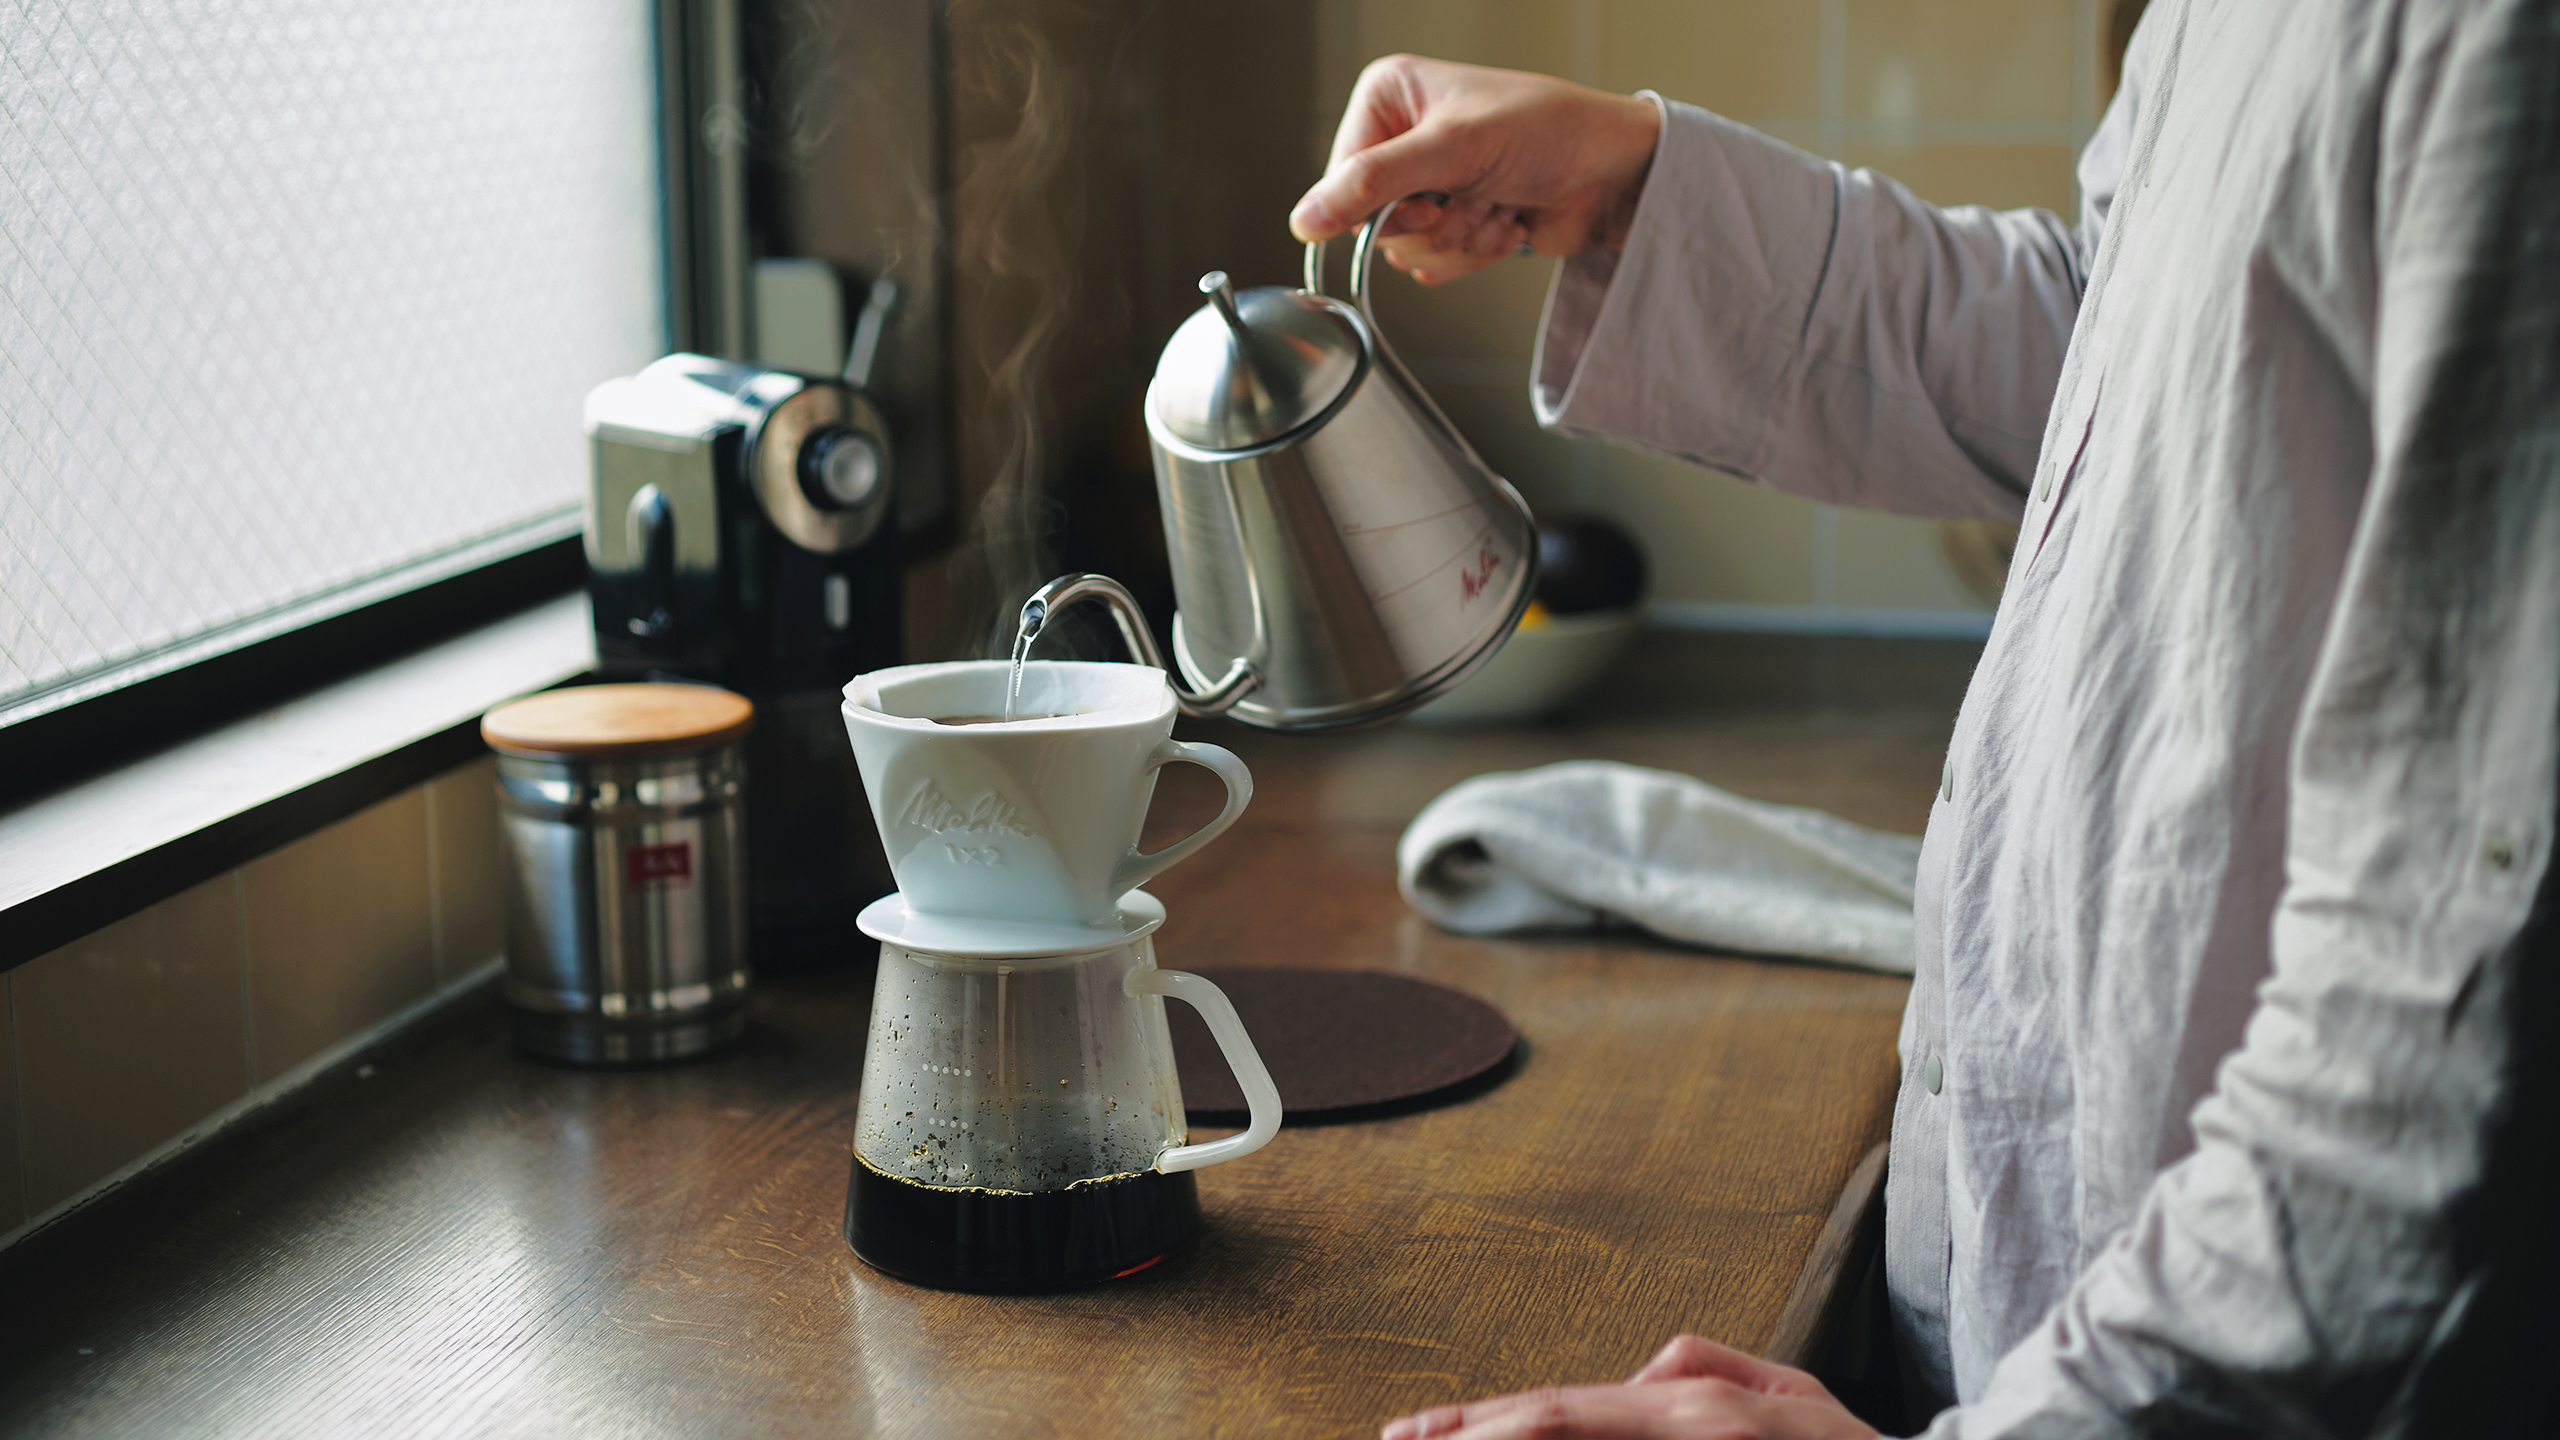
(1218, 699)
(1363, 250)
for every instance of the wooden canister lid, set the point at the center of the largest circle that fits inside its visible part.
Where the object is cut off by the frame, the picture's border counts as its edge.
(605, 720)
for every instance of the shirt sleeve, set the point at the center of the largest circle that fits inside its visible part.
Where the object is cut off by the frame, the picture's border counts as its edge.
(2298, 1270)
(1817, 328)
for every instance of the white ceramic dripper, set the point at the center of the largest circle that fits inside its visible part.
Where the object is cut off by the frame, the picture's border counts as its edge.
(1035, 820)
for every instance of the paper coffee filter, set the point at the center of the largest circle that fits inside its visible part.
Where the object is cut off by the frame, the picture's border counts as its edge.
(1056, 694)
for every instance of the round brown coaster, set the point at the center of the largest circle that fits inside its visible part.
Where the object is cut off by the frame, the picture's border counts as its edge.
(1342, 1042)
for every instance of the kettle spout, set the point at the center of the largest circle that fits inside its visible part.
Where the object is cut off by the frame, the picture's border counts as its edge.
(1045, 602)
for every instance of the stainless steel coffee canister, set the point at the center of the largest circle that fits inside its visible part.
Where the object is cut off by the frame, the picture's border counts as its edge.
(627, 914)
(1340, 555)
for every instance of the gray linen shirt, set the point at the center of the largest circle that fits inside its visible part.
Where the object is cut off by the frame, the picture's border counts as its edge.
(2256, 779)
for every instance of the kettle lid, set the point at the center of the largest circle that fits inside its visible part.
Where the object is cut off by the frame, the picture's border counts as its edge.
(1251, 367)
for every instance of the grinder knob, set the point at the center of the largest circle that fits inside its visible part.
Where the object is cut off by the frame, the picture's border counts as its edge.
(840, 468)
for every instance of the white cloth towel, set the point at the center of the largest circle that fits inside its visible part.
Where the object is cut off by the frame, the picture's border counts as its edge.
(1589, 843)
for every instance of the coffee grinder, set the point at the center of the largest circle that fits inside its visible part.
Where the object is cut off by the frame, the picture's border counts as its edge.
(741, 532)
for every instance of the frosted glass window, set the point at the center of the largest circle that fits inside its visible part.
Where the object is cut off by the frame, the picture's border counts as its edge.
(298, 303)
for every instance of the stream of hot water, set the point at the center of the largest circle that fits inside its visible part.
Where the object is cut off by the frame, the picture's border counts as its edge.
(1035, 616)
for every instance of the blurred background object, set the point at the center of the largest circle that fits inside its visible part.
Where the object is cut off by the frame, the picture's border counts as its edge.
(1978, 551)
(1585, 563)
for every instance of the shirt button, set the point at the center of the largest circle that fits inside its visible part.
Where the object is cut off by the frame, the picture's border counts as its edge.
(1947, 779)
(1933, 1074)
(2498, 852)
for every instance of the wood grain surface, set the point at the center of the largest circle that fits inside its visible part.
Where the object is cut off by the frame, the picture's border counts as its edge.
(448, 1240)
(1851, 1238)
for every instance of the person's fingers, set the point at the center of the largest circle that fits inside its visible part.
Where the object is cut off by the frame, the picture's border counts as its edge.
(1358, 184)
(1556, 1410)
(1456, 248)
(1685, 1356)
(1690, 1357)
(1411, 254)
(1559, 229)
(1449, 1419)
(1387, 100)
(1478, 249)
(1419, 214)
(1577, 156)
(1698, 1407)
(1416, 256)
(1512, 231)
(1458, 221)
(1452, 267)
(1408, 1427)
(1705, 1409)
(1491, 240)
(1584, 1424)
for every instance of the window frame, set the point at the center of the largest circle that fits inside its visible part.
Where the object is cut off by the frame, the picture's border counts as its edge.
(704, 270)
(57, 748)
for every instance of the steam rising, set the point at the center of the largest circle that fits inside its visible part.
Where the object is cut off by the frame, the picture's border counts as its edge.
(1011, 95)
(1021, 215)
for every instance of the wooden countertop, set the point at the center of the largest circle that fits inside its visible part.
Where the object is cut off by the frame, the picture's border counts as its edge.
(448, 1240)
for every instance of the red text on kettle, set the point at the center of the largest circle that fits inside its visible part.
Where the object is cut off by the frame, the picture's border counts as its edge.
(659, 867)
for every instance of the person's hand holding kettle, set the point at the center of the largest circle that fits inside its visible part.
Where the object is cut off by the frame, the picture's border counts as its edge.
(1524, 160)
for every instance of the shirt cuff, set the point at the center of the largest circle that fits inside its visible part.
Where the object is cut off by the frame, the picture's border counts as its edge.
(1683, 342)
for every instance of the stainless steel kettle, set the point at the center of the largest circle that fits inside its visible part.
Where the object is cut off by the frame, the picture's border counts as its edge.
(1340, 555)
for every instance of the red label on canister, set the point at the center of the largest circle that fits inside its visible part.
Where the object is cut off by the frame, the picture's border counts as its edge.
(656, 867)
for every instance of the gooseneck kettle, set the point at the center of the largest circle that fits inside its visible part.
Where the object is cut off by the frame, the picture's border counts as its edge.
(1340, 555)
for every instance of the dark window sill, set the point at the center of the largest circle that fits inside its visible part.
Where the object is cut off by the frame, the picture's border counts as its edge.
(86, 856)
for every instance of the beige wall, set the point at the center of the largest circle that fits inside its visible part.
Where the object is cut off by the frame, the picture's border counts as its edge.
(1966, 101)
(128, 1037)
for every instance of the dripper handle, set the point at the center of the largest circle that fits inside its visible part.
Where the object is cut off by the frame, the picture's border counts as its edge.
(1218, 699)
(1261, 1097)
(1137, 869)
(1363, 251)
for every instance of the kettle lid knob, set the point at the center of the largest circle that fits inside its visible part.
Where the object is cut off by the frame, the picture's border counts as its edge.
(1223, 295)
(1250, 367)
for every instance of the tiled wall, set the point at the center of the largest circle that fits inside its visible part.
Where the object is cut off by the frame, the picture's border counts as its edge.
(125, 1039)
(1965, 101)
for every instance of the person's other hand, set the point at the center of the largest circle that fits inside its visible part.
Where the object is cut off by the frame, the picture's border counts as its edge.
(1524, 159)
(1691, 1387)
